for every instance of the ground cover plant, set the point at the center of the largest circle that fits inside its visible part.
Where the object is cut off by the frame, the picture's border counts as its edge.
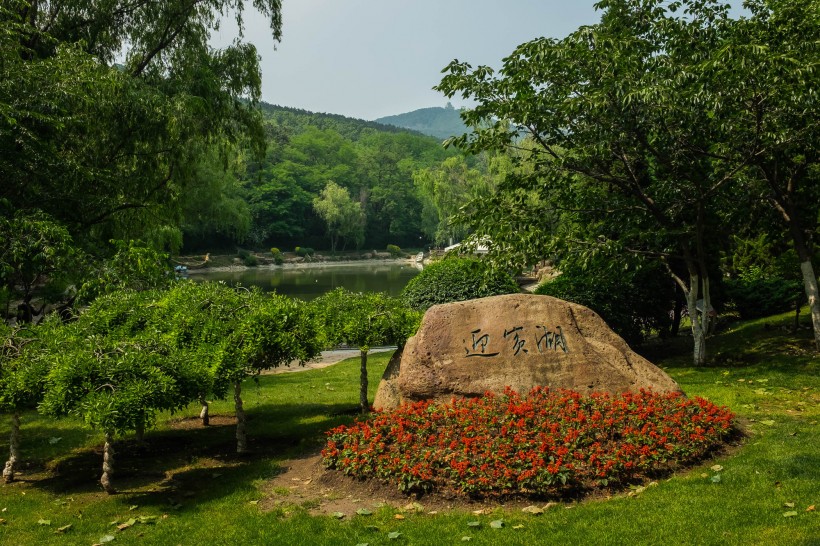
(186, 484)
(547, 442)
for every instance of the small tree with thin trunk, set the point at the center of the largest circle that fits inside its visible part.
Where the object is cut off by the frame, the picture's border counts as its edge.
(22, 375)
(366, 320)
(272, 331)
(117, 386)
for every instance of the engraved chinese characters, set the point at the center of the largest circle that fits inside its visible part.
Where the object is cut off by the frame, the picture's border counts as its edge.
(542, 338)
(518, 341)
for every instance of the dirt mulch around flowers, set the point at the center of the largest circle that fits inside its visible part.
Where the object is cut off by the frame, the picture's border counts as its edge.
(308, 483)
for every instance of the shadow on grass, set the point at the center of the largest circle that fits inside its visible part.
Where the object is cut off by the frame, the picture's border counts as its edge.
(741, 345)
(186, 461)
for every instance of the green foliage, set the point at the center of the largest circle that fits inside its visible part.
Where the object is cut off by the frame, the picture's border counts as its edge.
(132, 354)
(633, 302)
(344, 217)
(456, 279)
(757, 294)
(303, 251)
(24, 362)
(278, 259)
(135, 266)
(365, 319)
(35, 253)
(395, 251)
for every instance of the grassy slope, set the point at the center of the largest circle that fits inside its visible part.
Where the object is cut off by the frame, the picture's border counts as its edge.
(768, 378)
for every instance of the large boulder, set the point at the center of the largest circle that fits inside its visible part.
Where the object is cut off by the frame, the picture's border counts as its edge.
(518, 341)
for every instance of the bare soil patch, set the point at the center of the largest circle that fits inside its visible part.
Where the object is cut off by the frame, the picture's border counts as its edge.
(305, 481)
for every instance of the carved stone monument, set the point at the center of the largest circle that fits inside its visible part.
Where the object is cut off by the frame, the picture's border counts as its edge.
(518, 341)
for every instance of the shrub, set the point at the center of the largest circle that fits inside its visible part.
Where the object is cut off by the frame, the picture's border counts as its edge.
(278, 259)
(456, 279)
(303, 251)
(550, 441)
(756, 294)
(631, 302)
(395, 251)
(250, 260)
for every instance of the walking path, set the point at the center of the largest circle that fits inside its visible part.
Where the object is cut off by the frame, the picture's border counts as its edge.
(328, 358)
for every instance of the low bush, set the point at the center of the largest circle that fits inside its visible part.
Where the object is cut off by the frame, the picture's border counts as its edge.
(395, 251)
(278, 259)
(456, 279)
(303, 251)
(756, 294)
(548, 442)
(633, 303)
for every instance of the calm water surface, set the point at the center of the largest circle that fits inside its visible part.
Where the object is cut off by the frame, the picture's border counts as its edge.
(308, 283)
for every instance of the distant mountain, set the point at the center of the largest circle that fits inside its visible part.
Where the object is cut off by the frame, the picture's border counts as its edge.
(297, 120)
(439, 122)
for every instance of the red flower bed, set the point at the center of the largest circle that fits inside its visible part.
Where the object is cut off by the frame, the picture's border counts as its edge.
(533, 445)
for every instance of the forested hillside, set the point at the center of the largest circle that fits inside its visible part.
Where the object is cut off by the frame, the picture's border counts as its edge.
(269, 201)
(441, 123)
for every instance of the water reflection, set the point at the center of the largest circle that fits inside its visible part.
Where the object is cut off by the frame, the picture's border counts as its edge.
(308, 283)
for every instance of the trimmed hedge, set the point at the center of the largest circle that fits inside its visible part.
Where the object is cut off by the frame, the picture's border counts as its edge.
(456, 279)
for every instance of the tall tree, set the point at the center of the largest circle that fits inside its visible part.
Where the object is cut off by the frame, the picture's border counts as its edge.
(618, 139)
(343, 215)
(109, 149)
(764, 95)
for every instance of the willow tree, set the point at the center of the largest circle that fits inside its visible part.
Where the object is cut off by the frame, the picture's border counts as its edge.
(106, 108)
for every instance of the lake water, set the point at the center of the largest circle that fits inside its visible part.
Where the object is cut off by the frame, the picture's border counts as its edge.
(311, 282)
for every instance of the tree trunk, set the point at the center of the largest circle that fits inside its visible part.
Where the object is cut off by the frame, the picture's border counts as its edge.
(810, 284)
(108, 464)
(363, 383)
(14, 448)
(140, 432)
(241, 433)
(698, 335)
(204, 415)
(677, 313)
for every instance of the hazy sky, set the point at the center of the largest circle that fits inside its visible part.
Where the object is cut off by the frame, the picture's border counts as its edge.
(373, 58)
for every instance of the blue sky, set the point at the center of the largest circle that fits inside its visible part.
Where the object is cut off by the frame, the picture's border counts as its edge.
(373, 58)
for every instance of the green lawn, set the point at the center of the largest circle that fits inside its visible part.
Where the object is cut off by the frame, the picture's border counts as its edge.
(189, 489)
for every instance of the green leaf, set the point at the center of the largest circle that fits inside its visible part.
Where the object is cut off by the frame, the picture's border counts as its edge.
(107, 538)
(64, 528)
(393, 535)
(473, 524)
(788, 504)
(534, 510)
(466, 539)
(767, 422)
(364, 512)
(44, 522)
(715, 478)
(497, 524)
(338, 515)
(790, 514)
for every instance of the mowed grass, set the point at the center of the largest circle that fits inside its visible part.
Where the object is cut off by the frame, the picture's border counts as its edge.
(200, 493)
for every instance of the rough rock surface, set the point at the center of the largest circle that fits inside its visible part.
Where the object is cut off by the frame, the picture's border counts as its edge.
(520, 341)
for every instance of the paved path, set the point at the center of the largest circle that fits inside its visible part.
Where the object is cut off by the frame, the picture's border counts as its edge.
(328, 358)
